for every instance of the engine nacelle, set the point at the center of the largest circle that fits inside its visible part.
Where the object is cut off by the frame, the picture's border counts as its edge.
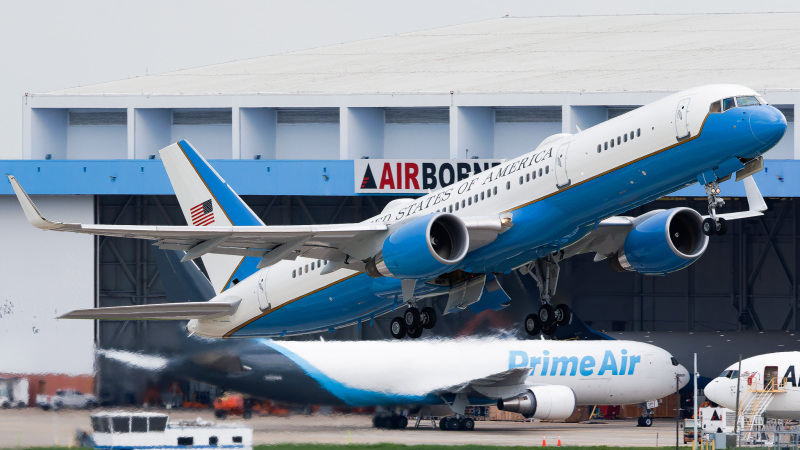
(424, 247)
(664, 242)
(542, 402)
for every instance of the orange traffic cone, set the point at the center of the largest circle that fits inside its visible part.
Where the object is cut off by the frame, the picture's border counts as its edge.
(559, 441)
(544, 441)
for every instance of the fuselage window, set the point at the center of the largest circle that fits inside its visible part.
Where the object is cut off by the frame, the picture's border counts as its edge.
(300, 271)
(540, 171)
(612, 143)
(488, 193)
(456, 206)
(599, 149)
(312, 266)
(306, 268)
(638, 132)
(521, 180)
(451, 208)
(508, 185)
(546, 169)
(605, 147)
(714, 108)
(747, 101)
(463, 203)
(482, 196)
(469, 201)
(294, 273)
(625, 137)
(476, 198)
(527, 177)
(618, 140)
(728, 103)
(494, 190)
(533, 174)
(631, 135)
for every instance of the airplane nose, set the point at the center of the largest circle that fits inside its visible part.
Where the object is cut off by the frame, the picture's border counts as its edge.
(767, 124)
(712, 391)
(682, 374)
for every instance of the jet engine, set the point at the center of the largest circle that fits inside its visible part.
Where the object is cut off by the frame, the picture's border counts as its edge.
(424, 247)
(542, 402)
(664, 242)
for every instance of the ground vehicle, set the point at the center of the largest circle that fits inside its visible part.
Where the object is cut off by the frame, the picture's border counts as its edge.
(13, 392)
(66, 398)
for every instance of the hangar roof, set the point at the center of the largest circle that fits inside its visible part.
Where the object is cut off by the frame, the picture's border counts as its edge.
(638, 53)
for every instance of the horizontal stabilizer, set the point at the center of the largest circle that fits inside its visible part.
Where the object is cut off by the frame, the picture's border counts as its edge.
(160, 311)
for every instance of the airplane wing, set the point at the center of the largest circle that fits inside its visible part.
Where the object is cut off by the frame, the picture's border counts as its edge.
(271, 243)
(499, 385)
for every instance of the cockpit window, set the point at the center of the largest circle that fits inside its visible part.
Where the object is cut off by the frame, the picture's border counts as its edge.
(674, 361)
(747, 101)
(714, 108)
(734, 374)
(725, 374)
(728, 103)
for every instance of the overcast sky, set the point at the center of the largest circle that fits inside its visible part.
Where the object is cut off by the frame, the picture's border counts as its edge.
(47, 45)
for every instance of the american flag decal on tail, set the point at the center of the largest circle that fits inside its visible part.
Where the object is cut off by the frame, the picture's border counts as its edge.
(203, 214)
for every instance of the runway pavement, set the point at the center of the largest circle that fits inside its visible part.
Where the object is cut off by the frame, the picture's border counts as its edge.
(34, 427)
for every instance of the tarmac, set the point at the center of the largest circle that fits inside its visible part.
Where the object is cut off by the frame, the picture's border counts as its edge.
(32, 427)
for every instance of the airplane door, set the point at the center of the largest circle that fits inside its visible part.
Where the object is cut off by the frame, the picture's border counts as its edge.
(770, 378)
(263, 302)
(562, 180)
(682, 119)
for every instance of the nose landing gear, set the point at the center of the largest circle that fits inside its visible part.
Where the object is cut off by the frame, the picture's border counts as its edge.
(714, 224)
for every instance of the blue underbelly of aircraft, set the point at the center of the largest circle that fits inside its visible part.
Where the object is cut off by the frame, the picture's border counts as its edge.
(540, 228)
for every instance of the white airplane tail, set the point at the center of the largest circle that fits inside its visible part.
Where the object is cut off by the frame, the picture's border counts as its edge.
(207, 200)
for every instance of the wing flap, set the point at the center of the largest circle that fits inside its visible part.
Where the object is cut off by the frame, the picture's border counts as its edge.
(160, 311)
(498, 385)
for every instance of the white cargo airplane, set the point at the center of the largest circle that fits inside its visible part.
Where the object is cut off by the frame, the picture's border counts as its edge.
(770, 379)
(526, 214)
(542, 379)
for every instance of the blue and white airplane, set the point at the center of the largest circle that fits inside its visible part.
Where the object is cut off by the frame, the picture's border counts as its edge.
(543, 379)
(526, 214)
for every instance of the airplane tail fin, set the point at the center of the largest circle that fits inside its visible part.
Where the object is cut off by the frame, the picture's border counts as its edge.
(206, 199)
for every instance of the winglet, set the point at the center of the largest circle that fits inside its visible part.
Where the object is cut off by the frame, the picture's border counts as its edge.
(31, 211)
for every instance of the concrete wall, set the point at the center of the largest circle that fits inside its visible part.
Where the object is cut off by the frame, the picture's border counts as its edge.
(416, 140)
(46, 274)
(307, 141)
(514, 139)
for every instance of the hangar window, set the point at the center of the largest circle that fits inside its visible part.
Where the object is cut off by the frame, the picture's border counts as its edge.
(715, 107)
(747, 101)
(728, 103)
(599, 148)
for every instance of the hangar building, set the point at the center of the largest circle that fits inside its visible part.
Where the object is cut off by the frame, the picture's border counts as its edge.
(294, 132)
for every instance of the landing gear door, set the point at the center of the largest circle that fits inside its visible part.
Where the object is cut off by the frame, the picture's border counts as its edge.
(562, 180)
(682, 119)
(263, 302)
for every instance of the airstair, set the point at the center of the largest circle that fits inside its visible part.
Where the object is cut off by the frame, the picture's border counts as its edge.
(757, 397)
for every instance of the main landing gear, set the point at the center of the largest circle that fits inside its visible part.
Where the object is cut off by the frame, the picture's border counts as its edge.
(454, 423)
(390, 421)
(413, 322)
(548, 318)
(714, 224)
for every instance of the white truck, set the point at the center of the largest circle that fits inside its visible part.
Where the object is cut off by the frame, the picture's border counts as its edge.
(66, 398)
(13, 392)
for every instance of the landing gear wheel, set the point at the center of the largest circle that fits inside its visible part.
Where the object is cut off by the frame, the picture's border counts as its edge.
(428, 317)
(411, 318)
(549, 331)
(398, 328)
(709, 227)
(399, 422)
(647, 421)
(639, 422)
(443, 424)
(533, 325)
(453, 424)
(722, 226)
(547, 315)
(415, 333)
(563, 315)
(468, 424)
